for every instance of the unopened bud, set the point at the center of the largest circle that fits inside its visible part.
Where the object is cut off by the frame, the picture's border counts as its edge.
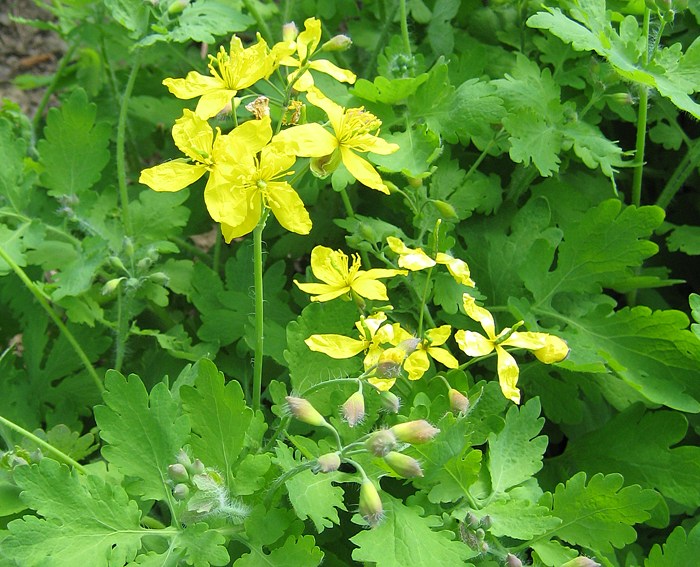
(290, 31)
(143, 264)
(458, 401)
(381, 442)
(327, 463)
(414, 432)
(302, 410)
(371, 508)
(486, 522)
(159, 278)
(581, 561)
(197, 467)
(354, 409)
(111, 285)
(554, 350)
(403, 465)
(410, 345)
(390, 362)
(472, 520)
(177, 6)
(183, 458)
(178, 473)
(337, 43)
(116, 262)
(446, 210)
(181, 491)
(513, 561)
(390, 402)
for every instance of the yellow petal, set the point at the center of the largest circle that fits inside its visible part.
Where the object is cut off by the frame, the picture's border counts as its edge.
(334, 111)
(473, 344)
(439, 335)
(308, 140)
(288, 207)
(416, 364)
(301, 82)
(362, 170)
(193, 136)
(530, 341)
(326, 263)
(322, 292)
(194, 84)
(335, 346)
(250, 137)
(308, 40)
(382, 384)
(458, 268)
(480, 315)
(172, 175)
(371, 323)
(444, 356)
(371, 143)
(213, 102)
(371, 289)
(325, 66)
(554, 350)
(248, 224)
(226, 203)
(508, 373)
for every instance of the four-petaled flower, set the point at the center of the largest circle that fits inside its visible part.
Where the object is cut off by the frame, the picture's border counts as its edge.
(234, 70)
(305, 45)
(333, 267)
(547, 348)
(353, 132)
(415, 259)
(417, 362)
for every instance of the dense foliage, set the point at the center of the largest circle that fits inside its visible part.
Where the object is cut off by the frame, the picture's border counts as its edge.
(270, 298)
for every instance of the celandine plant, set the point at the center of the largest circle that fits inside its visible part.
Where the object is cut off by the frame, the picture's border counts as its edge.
(384, 301)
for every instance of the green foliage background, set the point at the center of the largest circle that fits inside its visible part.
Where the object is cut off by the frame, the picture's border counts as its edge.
(519, 126)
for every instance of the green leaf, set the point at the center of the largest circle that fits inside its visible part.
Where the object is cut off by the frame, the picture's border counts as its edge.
(440, 31)
(600, 515)
(517, 518)
(86, 521)
(219, 417)
(388, 91)
(314, 496)
(143, 433)
(534, 140)
(685, 239)
(418, 148)
(552, 552)
(405, 537)
(132, 14)
(297, 551)
(515, 453)
(680, 549)
(456, 475)
(74, 149)
(637, 445)
(12, 152)
(201, 546)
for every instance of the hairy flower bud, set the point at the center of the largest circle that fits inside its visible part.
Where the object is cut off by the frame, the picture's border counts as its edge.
(390, 402)
(327, 463)
(381, 442)
(302, 410)
(178, 473)
(111, 285)
(414, 432)
(354, 409)
(197, 467)
(581, 561)
(371, 508)
(338, 42)
(458, 401)
(181, 491)
(403, 465)
(513, 561)
(446, 210)
(290, 31)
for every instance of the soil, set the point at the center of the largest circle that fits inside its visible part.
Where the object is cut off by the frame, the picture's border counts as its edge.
(25, 50)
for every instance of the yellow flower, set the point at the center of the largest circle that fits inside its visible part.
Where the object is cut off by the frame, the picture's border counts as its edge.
(333, 268)
(235, 70)
(256, 180)
(416, 259)
(419, 350)
(305, 46)
(547, 348)
(207, 153)
(353, 129)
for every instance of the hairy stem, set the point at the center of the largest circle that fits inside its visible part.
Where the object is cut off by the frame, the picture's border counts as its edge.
(259, 313)
(636, 193)
(679, 176)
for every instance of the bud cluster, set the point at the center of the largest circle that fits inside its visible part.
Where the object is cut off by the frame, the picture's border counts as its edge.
(19, 457)
(473, 533)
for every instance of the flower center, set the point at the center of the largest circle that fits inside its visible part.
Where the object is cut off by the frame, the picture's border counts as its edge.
(357, 121)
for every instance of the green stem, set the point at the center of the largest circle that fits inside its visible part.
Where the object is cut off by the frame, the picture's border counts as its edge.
(381, 42)
(282, 479)
(60, 455)
(404, 27)
(423, 306)
(483, 154)
(121, 137)
(122, 329)
(262, 24)
(52, 86)
(684, 170)
(54, 317)
(636, 194)
(259, 305)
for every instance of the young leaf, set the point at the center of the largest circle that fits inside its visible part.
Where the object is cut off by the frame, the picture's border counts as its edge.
(515, 453)
(637, 445)
(680, 549)
(85, 520)
(201, 546)
(74, 149)
(405, 537)
(143, 433)
(297, 551)
(600, 516)
(316, 497)
(517, 518)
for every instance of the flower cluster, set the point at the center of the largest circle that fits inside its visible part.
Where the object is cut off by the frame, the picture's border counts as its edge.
(249, 168)
(391, 351)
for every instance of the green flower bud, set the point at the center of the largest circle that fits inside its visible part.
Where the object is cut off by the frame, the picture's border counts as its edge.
(371, 508)
(329, 462)
(414, 432)
(390, 402)
(446, 210)
(178, 473)
(183, 458)
(197, 467)
(403, 465)
(159, 278)
(290, 31)
(302, 410)
(354, 409)
(458, 401)
(337, 43)
(513, 561)
(116, 263)
(143, 264)
(111, 285)
(581, 561)
(381, 442)
(181, 491)
(177, 6)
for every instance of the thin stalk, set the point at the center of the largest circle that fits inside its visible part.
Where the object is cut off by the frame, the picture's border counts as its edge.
(52, 86)
(423, 306)
(122, 329)
(262, 24)
(404, 27)
(54, 317)
(60, 455)
(121, 137)
(684, 170)
(259, 306)
(636, 193)
(381, 42)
